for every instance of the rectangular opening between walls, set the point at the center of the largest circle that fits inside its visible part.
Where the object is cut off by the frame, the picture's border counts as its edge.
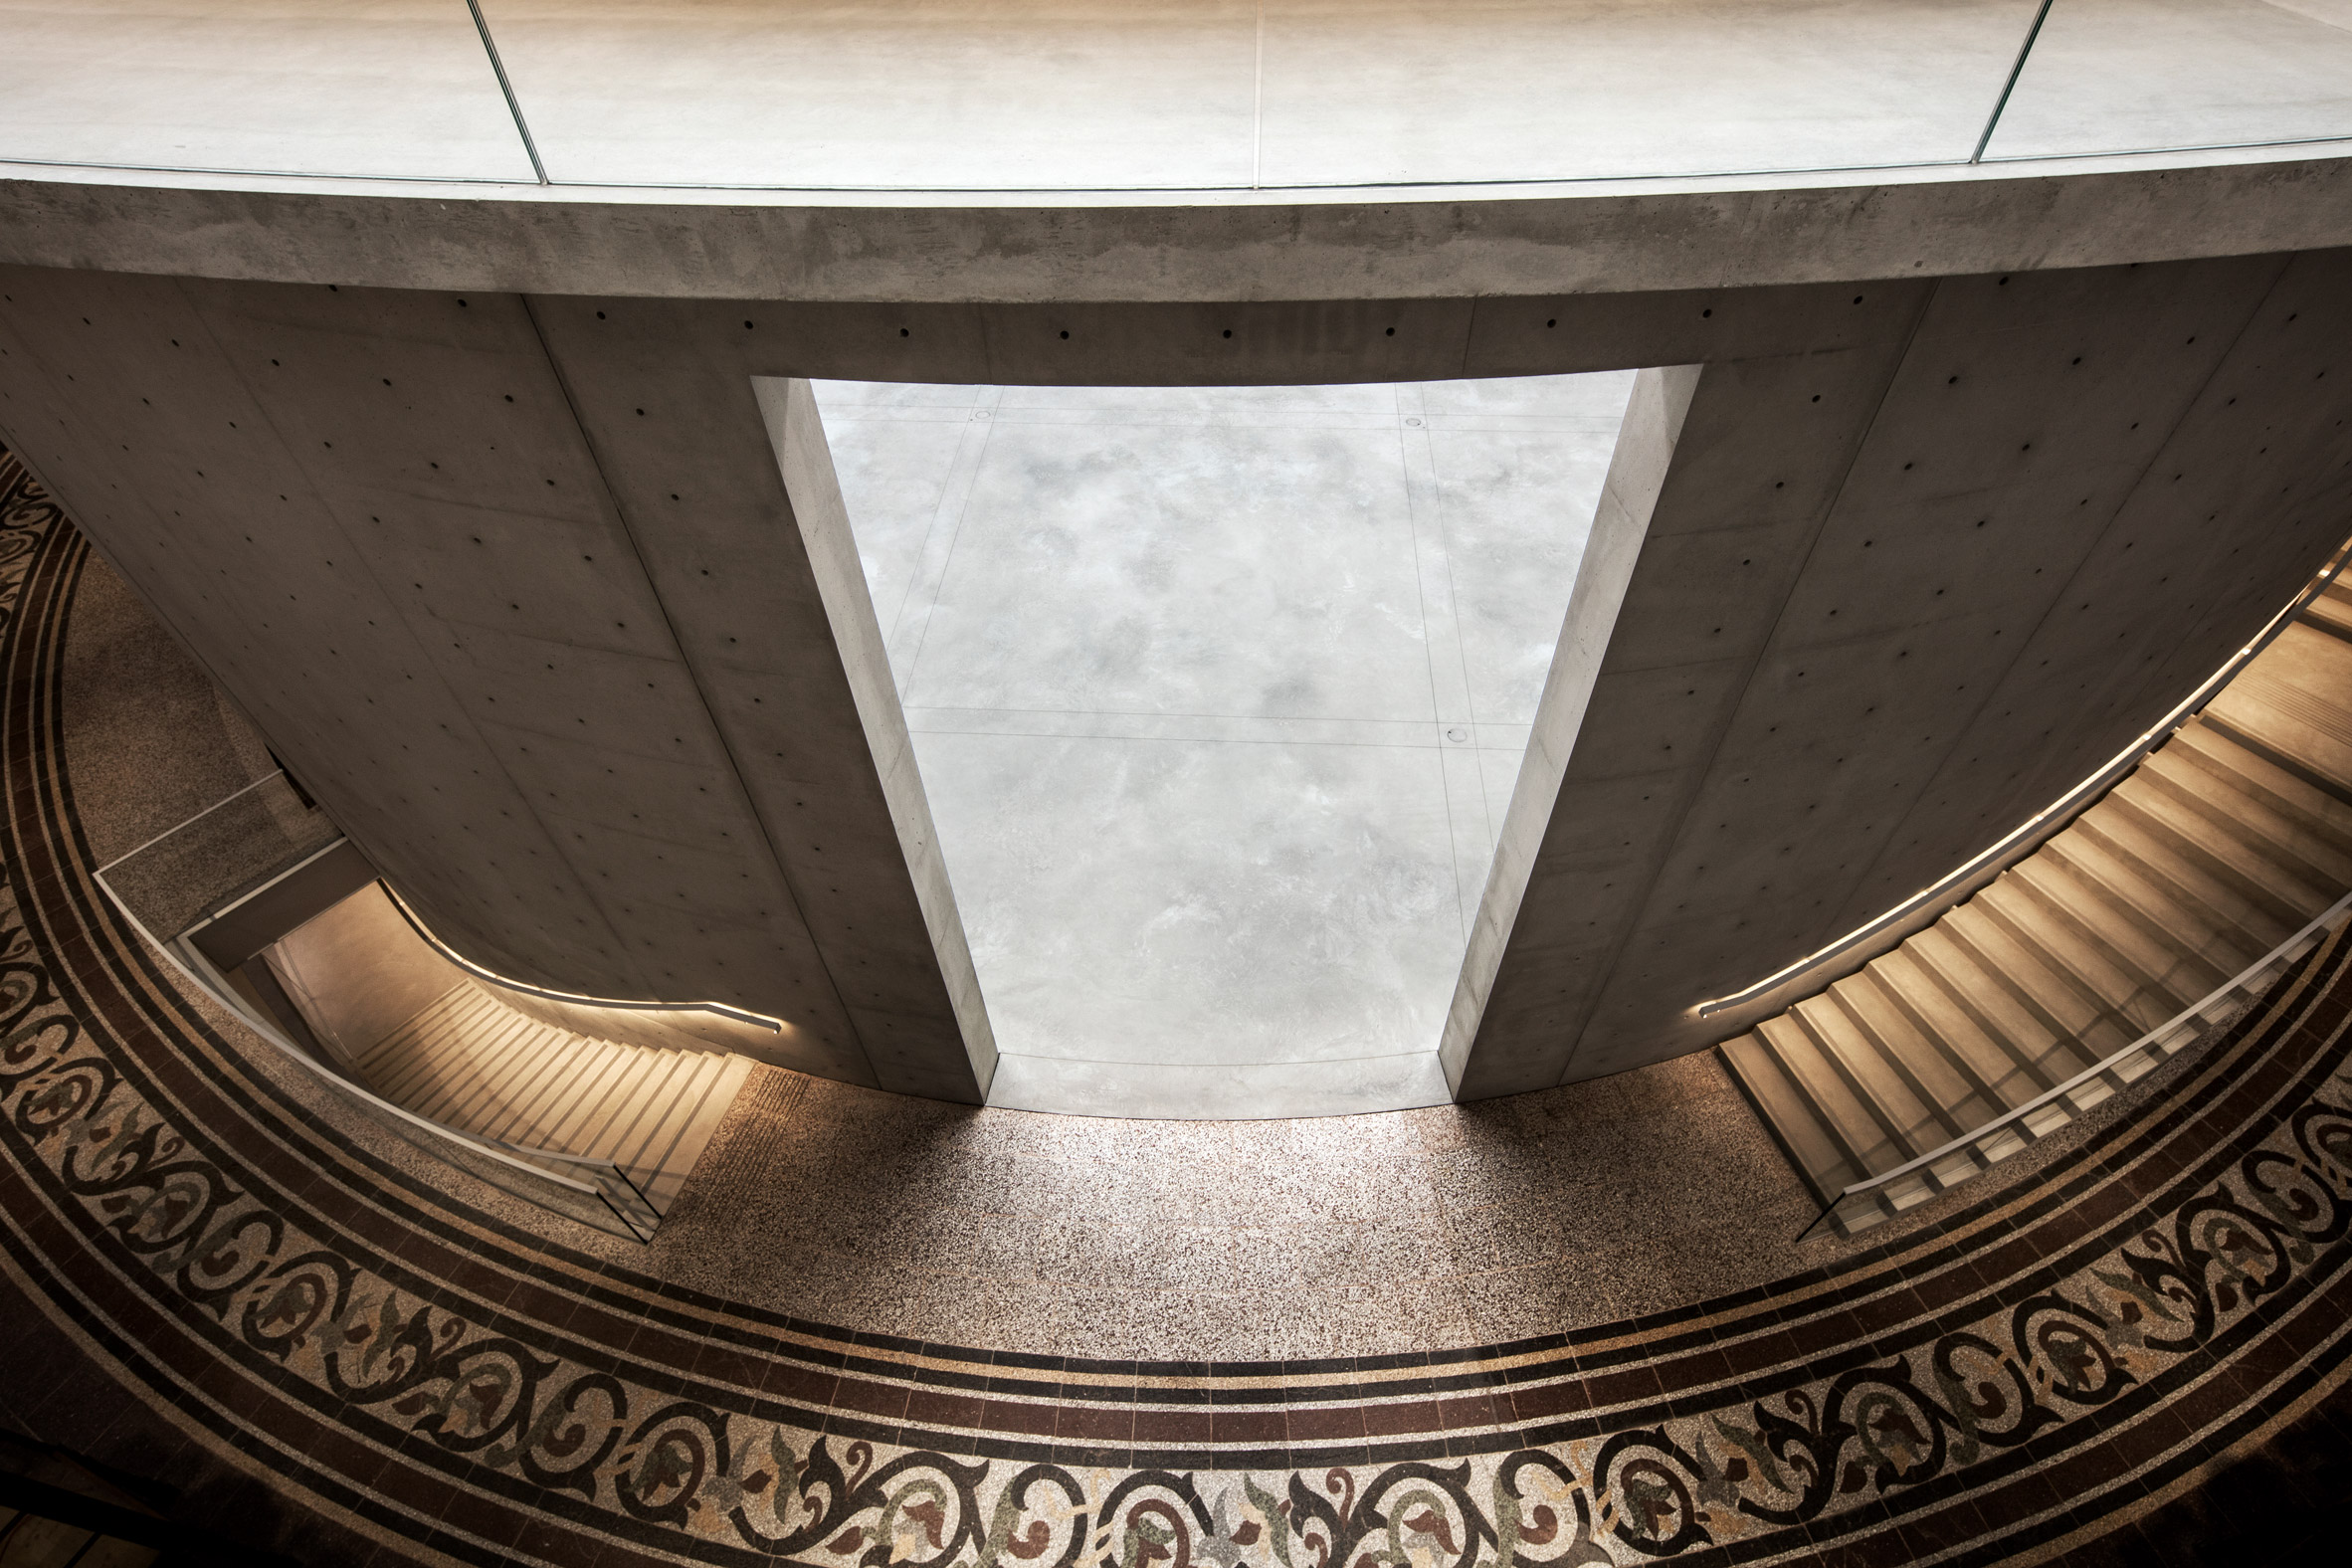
(1218, 696)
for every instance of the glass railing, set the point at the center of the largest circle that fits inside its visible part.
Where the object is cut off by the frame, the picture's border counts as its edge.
(1309, 96)
(1293, 94)
(200, 874)
(2126, 77)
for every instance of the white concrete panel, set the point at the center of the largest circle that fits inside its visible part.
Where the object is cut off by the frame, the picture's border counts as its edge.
(871, 398)
(1164, 569)
(2128, 75)
(1193, 700)
(903, 93)
(1142, 900)
(1510, 400)
(1215, 405)
(1516, 513)
(400, 88)
(1361, 91)
(902, 473)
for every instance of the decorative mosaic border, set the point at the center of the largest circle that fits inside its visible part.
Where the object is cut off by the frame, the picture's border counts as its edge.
(2024, 1372)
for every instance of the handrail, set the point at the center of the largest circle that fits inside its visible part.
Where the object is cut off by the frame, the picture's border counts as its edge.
(774, 1026)
(2243, 980)
(274, 773)
(200, 972)
(2028, 836)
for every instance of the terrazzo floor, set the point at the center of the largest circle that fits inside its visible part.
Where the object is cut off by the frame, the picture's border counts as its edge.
(877, 1328)
(1219, 695)
(1071, 1234)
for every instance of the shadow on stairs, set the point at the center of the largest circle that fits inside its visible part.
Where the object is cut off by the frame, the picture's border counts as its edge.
(2158, 913)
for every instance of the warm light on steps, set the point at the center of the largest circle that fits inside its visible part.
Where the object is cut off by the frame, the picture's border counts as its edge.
(2162, 910)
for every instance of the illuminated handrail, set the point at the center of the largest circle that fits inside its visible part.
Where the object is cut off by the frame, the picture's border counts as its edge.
(2106, 1067)
(1862, 945)
(492, 977)
(586, 1177)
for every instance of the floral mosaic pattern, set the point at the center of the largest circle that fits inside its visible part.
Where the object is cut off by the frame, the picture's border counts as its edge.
(1773, 1458)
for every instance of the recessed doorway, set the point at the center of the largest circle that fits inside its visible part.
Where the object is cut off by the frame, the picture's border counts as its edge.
(1219, 695)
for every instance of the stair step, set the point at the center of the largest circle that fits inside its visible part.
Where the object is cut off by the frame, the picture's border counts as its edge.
(2000, 1074)
(1853, 1125)
(2250, 851)
(2288, 697)
(1827, 1167)
(2080, 1029)
(2331, 612)
(2062, 947)
(1941, 1080)
(699, 1073)
(518, 1050)
(472, 1063)
(404, 1052)
(597, 1073)
(638, 1077)
(2146, 935)
(542, 1069)
(446, 1058)
(2221, 843)
(630, 1121)
(685, 1152)
(2276, 791)
(2027, 1034)
(2255, 924)
(468, 1057)
(555, 1058)
(387, 1051)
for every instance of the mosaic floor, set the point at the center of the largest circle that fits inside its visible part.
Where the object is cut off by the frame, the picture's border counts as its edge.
(2130, 1346)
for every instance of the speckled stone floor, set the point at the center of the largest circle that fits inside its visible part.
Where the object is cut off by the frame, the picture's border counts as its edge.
(1566, 1330)
(1071, 1234)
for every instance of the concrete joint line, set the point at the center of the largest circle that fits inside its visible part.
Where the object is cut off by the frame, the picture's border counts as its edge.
(685, 660)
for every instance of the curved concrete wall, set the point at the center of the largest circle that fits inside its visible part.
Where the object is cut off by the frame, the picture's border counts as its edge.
(517, 587)
(1891, 599)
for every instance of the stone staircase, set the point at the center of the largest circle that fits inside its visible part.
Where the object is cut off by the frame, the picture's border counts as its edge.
(469, 1062)
(2223, 842)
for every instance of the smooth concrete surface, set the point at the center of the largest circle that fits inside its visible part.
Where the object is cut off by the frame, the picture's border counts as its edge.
(394, 89)
(381, 521)
(1073, 95)
(2116, 76)
(916, 94)
(1656, 405)
(1401, 91)
(797, 435)
(1101, 266)
(1194, 94)
(663, 576)
(1895, 599)
(1219, 694)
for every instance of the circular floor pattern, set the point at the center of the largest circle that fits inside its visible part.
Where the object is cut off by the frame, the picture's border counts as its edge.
(337, 1351)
